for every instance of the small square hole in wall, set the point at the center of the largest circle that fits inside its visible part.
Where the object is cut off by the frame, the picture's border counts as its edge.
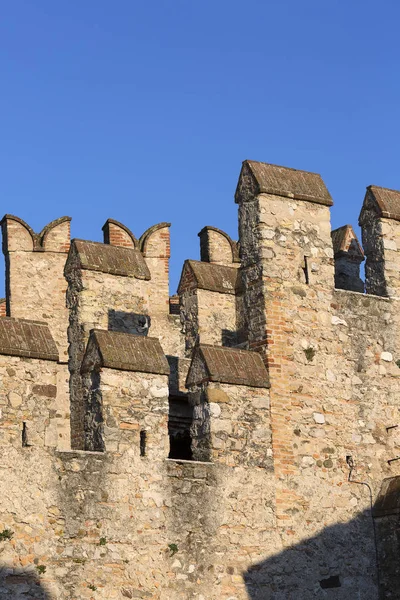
(330, 582)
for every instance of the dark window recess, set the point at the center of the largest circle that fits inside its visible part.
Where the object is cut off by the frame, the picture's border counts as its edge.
(143, 439)
(24, 436)
(174, 308)
(330, 582)
(305, 270)
(179, 423)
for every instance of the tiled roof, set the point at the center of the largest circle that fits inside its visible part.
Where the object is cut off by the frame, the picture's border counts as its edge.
(128, 352)
(230, 365)
(290, 183)
(115, 260)
(388, 201)
(345, 240)
(30, 339)
(216, 278)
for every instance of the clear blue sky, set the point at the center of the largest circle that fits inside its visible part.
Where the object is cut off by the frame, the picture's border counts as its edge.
(143, 111)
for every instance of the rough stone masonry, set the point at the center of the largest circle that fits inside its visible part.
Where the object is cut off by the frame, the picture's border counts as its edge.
(239, 440)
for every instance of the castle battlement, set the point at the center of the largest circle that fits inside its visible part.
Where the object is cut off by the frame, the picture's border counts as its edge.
(222, 443)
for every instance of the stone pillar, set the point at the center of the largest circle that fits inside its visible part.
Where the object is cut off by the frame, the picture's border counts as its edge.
(228, 389)
(380, 224)
(125, 389)
(209, 298)
(288, 280)
(285, 244)
(108, 288)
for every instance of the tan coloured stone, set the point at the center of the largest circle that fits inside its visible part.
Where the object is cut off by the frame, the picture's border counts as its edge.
(217, 395)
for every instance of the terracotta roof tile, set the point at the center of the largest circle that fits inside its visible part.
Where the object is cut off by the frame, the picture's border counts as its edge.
(30, 339)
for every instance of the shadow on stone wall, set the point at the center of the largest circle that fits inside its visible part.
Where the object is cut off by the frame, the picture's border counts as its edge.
(17, 585)
(337, 564)
(127, 322)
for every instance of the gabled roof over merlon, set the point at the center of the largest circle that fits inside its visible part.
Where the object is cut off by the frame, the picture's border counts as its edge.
(263, 178)
(384, 201)
(124, 352)
(115, 260)
(212, 277)
(29, 339)
(345, 243)
(228, 365)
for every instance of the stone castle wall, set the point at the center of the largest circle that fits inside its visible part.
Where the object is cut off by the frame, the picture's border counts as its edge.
(245, 449)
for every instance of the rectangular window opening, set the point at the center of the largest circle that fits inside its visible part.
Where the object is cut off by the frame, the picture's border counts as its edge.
(305, 269)
(179, 423)
(24, 435)
(143, 439)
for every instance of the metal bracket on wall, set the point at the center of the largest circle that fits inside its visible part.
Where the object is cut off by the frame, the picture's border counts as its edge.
(391, 427)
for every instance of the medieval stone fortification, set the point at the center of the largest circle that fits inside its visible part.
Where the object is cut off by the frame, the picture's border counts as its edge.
(238, 441)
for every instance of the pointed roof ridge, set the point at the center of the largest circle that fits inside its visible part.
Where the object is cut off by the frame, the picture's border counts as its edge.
(282, 181)
(126, 352)
(213, 277)
(26, 338)
(341, 241)
(230, 365)
(106, 258)
(387, 202)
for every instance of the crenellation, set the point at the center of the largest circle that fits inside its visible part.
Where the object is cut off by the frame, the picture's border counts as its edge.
(228, 442)
(35, 258)
(117, 234)
(217, 247)
(379, 221)
(348, 256)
